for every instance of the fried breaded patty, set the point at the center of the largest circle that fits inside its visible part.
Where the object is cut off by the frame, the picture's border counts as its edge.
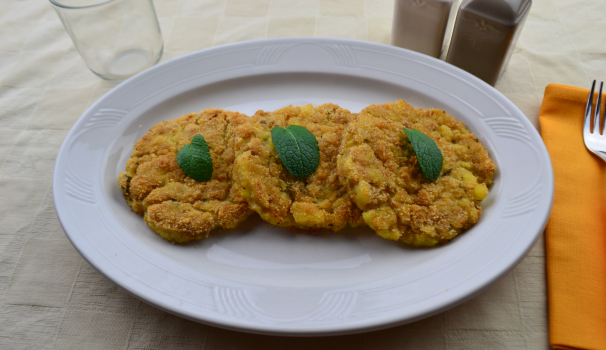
(378, 165)
(174, 205)
(318, 201)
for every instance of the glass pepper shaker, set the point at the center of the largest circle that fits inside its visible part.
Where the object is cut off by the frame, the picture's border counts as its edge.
(485, 34)
(421, 25)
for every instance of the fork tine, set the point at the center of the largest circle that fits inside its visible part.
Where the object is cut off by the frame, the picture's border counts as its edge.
(603, 121)
(596, 115)
(587, 123)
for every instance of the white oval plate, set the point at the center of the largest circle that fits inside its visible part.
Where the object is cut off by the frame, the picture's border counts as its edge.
(268, 280)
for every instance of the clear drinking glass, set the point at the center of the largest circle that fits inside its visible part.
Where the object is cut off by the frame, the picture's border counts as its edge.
(116, 38)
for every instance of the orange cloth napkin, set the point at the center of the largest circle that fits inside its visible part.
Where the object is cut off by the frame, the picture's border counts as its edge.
(575, 236)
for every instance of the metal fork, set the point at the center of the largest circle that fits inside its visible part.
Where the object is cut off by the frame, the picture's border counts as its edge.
(595, 141)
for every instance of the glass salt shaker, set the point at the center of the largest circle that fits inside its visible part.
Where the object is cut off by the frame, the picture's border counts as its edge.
(485, 34)
(422, 25)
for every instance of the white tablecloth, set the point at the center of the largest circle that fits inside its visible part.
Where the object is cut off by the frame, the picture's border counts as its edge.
(51, 298)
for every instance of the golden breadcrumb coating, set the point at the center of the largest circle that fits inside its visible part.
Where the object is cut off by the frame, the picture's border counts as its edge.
(378, 165)
(318, 201)
(174, 205)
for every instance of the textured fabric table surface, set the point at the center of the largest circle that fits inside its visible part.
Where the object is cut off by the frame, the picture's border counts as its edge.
(50, 298)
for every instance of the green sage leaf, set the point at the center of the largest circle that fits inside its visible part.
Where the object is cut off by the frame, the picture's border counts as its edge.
(428, 154)
(297, 148)
(195, 161)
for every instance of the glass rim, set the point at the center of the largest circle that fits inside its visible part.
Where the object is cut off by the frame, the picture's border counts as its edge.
(54, 2)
